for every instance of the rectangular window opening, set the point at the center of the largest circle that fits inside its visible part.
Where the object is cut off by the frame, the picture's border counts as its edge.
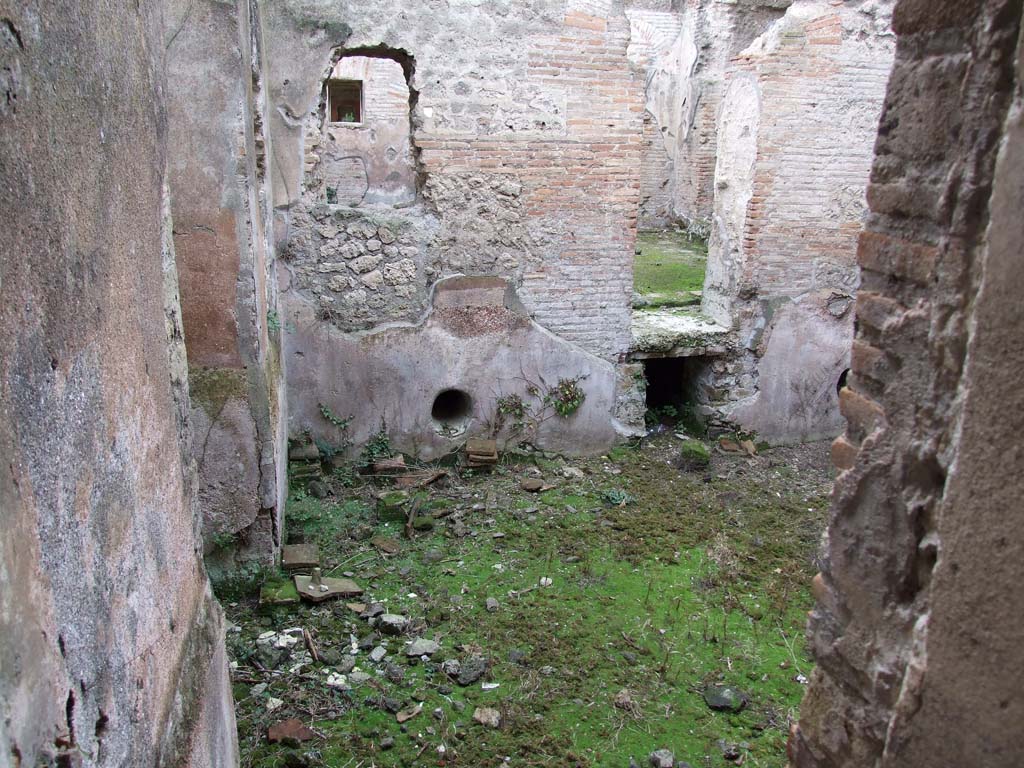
(345, 101)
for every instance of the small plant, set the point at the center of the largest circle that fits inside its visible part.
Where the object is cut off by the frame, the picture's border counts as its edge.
(332, 195)
(273, 321)
(662, 414)
(511, 410)
(377, 447)
(348, 117)
(327, 450)
(328, 414)
(694, 455)
(344, 474)
(566, 397)
(617, 497)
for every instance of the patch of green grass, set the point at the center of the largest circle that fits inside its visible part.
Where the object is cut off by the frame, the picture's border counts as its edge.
(669, 270)
(694, 583)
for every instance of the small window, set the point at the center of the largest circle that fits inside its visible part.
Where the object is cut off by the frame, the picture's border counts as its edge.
(345, 101)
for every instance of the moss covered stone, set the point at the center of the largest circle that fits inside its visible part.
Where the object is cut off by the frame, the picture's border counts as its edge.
(694, 455)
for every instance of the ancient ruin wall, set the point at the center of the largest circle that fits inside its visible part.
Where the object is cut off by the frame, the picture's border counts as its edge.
(796, 132)
(527, 133)
(228, 276)
(657, 48)
(112, 650)
(371, 160)
(717, 31)
(918, 618)
(685, 53)
(527, 124)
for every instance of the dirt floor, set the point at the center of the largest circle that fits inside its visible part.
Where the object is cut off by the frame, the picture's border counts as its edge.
(586, 624)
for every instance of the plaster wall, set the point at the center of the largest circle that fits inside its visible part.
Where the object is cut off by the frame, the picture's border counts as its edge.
(221, 207)
(113, 650)
(476, 338)
(917, 623)
(796, 131)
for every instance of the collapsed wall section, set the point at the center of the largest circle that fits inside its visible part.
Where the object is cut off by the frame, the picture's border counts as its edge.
(917, 623)
(796, 130)
(113, 649)
(222, 218)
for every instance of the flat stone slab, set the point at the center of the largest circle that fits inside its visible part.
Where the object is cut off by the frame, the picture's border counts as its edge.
(676, 333)
(275, 592)
(329, 588)
(298, 556)
(482, 447)
(289, 731)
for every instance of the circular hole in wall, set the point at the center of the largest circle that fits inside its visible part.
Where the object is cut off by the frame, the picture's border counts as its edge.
(452, 409)
(842, 380)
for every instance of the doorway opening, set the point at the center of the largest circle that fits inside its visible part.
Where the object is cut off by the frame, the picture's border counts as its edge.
(672, 392)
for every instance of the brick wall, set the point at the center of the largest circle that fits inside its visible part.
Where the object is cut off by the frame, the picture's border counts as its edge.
(721, 31)
(652, 41)
(917, 623)
(529, 143)
(656, 169)
(821, 93)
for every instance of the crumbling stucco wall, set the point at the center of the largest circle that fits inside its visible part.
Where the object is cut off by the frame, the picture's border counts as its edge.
(112, 650)
(666, 58)
(222, 224)
(918, 619)
(685, 51)
(527, 132)
(796, 131)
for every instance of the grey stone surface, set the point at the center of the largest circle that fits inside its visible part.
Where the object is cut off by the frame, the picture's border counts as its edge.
(726, 698)
(392, 623)
(422, 647)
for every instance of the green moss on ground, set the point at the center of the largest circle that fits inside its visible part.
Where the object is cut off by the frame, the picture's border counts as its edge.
(669, 269)
(702, 578)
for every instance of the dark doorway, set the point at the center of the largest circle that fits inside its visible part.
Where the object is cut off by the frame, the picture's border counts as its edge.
(673, 384)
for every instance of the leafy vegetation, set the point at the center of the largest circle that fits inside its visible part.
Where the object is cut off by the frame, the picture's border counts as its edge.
(566, 397)
(377, 447)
